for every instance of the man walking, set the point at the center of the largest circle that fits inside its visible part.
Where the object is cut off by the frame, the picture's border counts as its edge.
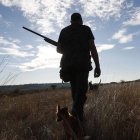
(76, 44)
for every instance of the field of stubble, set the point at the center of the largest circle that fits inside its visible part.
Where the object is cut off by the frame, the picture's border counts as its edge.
(112, 113)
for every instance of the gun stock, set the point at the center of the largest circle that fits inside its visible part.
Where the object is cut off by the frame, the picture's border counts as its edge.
(45, 38)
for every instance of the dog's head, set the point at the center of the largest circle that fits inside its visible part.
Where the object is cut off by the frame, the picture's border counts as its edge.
(61, 113)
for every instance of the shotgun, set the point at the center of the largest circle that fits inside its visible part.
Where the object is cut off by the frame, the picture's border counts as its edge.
(45, 38)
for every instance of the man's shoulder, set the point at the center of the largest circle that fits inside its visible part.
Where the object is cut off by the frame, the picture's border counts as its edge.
(86, 27)
(70, 28)
(66, 28)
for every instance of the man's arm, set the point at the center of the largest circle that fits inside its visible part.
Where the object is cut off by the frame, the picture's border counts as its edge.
(59, 45)
(59, 48)
(95, 57)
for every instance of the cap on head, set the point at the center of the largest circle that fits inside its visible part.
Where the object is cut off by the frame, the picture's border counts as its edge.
(76, 17)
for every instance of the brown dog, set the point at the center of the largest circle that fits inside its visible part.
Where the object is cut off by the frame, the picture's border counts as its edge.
(72, 126)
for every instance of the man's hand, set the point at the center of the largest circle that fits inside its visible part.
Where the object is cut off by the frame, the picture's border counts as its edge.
(94, 54)
(97, 72)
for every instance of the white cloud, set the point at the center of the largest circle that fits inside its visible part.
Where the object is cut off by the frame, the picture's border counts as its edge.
(25, 5)
(46, 57)
(12, 47)
(128, 48)
(122, 37)
(104, 9)
(91, 23)
(45, 15)
(28, 47)
(134, 18)
(51, 15)
(8, 42)
(48, 16)
(13, 52)
(104, 47)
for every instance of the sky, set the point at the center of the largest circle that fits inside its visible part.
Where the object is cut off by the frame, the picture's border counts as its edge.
(26, 58)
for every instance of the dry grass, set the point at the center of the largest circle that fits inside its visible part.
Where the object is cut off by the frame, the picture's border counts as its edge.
(111, 114)
(31, 116)
(115, 113)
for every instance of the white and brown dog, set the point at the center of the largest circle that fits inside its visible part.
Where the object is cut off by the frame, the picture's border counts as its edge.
(72, 126)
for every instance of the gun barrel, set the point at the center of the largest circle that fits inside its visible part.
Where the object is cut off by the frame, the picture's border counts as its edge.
(46, 38)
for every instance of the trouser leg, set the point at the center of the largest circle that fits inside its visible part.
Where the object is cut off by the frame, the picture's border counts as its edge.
(79, 93)
(73, 87)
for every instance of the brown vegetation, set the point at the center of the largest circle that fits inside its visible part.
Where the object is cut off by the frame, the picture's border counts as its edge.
(112, 114)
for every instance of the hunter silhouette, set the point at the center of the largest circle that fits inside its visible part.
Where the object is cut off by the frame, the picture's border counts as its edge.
(76, 44)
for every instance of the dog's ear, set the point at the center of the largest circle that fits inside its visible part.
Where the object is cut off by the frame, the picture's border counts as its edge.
(58, 108)
(58, 113)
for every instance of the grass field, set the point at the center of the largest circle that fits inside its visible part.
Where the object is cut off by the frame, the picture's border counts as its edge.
(112, 113)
